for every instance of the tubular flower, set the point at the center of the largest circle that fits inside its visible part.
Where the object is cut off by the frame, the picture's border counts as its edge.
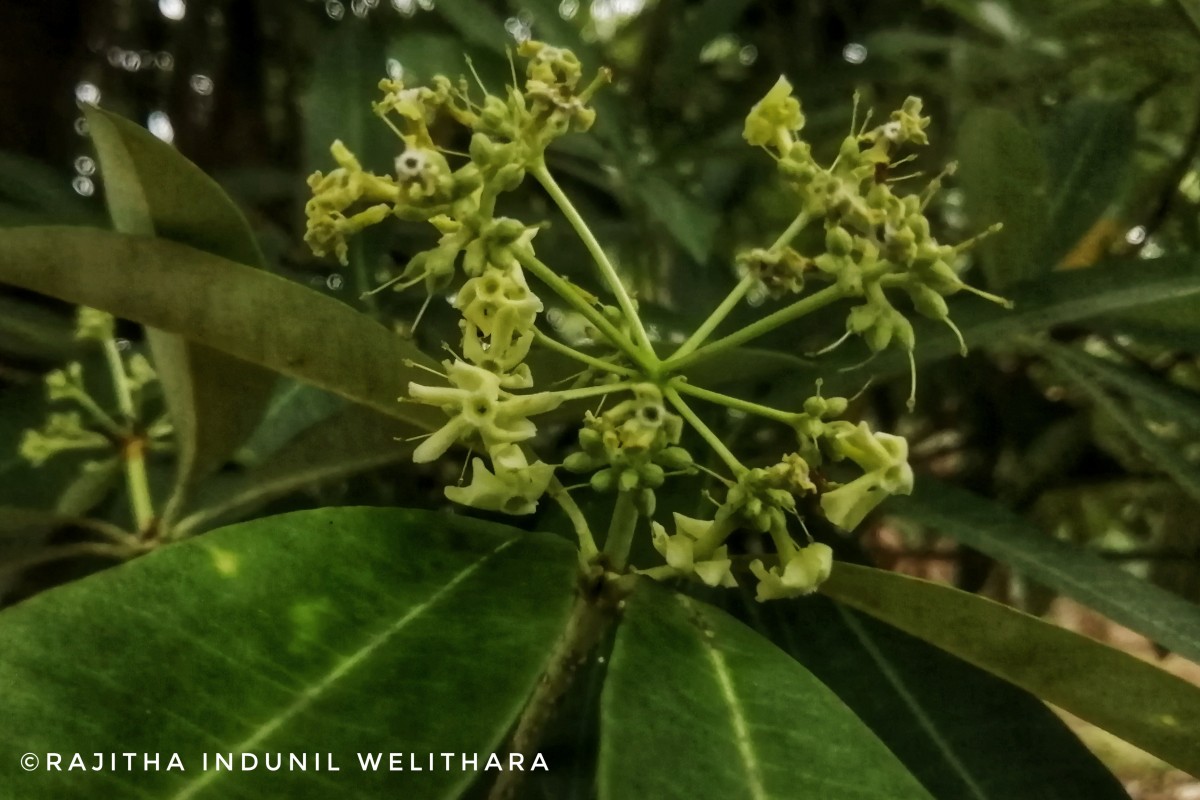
(477, 406)
(774, 120)
(883, 456)
(685, 551)
(807, 569)
(514, 487)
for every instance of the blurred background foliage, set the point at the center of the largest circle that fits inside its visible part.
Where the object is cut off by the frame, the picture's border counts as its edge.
(1076, 124)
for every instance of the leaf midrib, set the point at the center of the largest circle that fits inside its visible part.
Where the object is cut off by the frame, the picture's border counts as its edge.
(741, 730)
(311, 693)
(893, 678)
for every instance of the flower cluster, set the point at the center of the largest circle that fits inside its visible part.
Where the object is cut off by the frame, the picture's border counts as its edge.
(874, 242)
(87, 426)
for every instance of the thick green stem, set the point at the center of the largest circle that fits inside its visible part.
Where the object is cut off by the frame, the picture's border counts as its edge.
(553, 344)
(133, 452)
(795, 311)
(543, 176)
(571, 295)
(786, 417)
(621, 530)
(705, 432)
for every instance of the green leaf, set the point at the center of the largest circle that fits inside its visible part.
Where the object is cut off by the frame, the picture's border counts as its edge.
(699, 706)
(40, 194)
(1142, 704)
(294, 408)
(477, 22)
(691, 224)
(339, 631)
(351, 441)
(1088, 151)
(1059, 298)
(247, 313)
(152, 190)
(1166, 455)
(709, 20)
(990, 528)
(962, 732)
(1004, 175)
(1171, 401)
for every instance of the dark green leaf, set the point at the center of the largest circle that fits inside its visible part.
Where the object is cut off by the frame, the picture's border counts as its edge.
(1168, 400)
(990, 528)
(294, 408)
(1165, 455)
(962, 732)
(247, 313)
(1059, 298)
(691, 224)
(699, 706)
(154, 191)
(1142, 704)
(338, 631)
(477, 22)
(709, 20)
(1004, 177)
(1088, 150)
(351, 441)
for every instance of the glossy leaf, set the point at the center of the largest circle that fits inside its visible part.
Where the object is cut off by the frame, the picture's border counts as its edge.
(328, 632)
(988, 527)
(698, 706)
(1136, 701)
(247, 313)
(152, 190)
(963, 733)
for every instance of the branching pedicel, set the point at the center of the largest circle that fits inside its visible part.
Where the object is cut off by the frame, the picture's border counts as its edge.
(877, 244)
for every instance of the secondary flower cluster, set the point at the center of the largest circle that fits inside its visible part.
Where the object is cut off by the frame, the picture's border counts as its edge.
(87, 426)
(874, 241)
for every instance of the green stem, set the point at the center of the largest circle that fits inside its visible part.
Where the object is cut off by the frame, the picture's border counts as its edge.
(621, 530)
(543, 176)
(587, 542)
(762, 327)
(133, 452)
(744, 285)
(705, 432)
(98, 414)
(591, 391)
(787, 418)
(550, 342)
(572, 296)
(716, 317)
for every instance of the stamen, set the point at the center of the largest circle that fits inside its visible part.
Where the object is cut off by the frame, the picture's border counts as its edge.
(828, 349)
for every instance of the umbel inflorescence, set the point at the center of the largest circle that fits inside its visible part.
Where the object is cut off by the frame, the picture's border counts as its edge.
(878, 246)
